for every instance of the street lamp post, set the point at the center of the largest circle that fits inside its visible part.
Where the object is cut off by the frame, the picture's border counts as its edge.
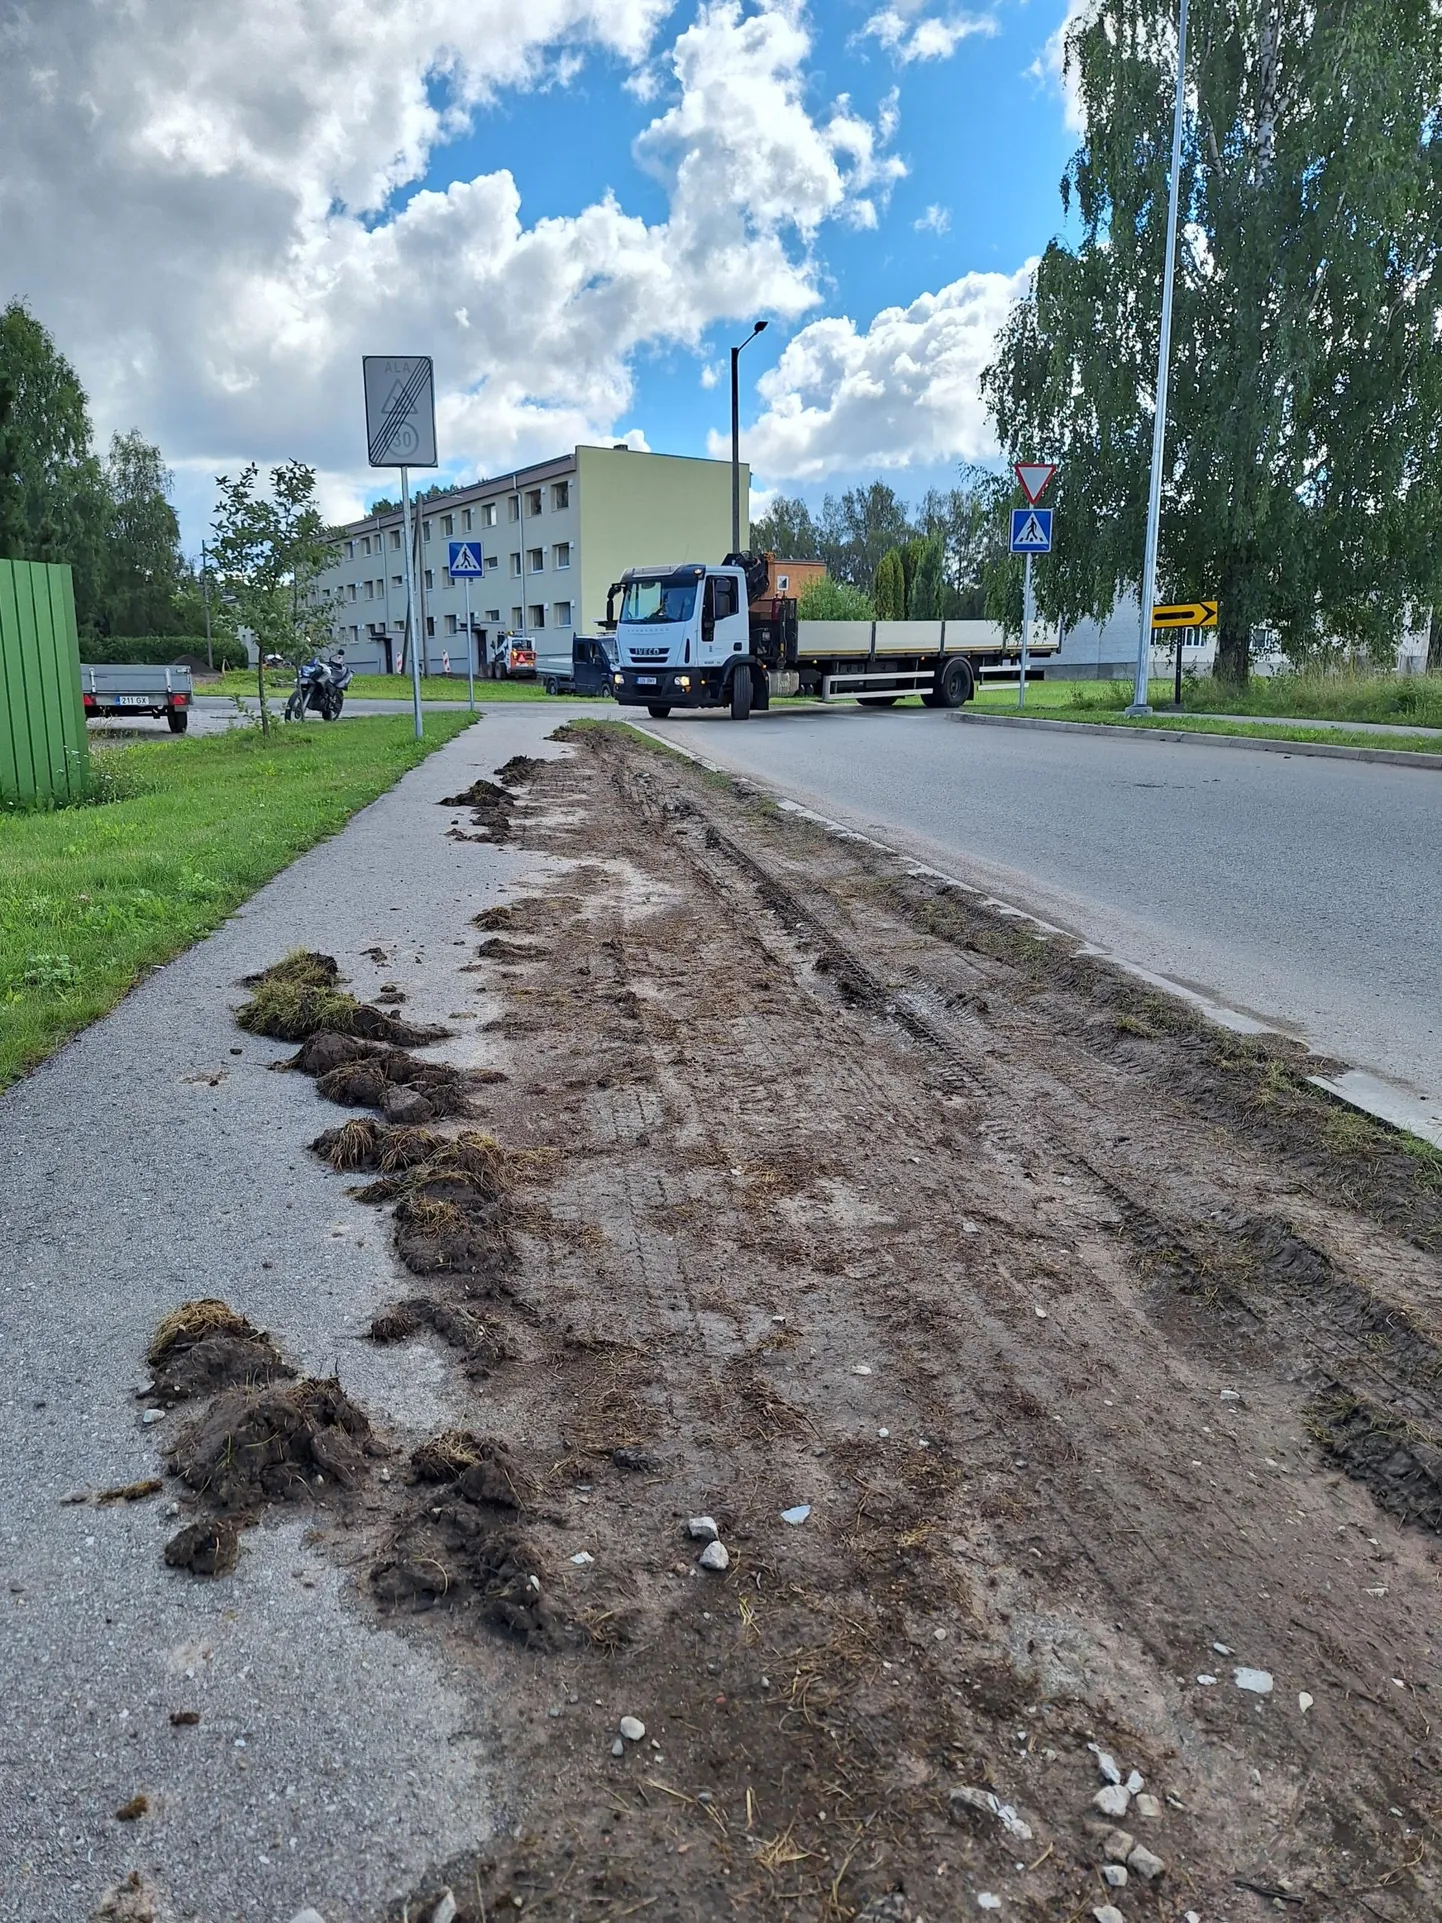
(759, 328)
(1140, 704)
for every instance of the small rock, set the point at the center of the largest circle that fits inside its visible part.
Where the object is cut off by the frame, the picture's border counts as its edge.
(153, 1415)
(632, 1728)
(1230, 1395)
(307, 1915)
(967, 1228)
(445, 1910)
(1259, 1681)
(618, 1748)
(582, 1557)
(133, 1810)
(883, 1433)
(1304, 1701)
(1206, 1681)
(636, 1461)
(1149, 1807)
(890, 1908)
(715, 1556)
(1117, 1847)
(991, 1805)
(985, 1900)
(1136, 1783)
(1221, 1649)
(1108, 1913)
(797, 1515)
(1115, 1874)
(1113, 1800)
(702, 1529)
(862, 1368)
(1147, 1866)
(1106, 1764)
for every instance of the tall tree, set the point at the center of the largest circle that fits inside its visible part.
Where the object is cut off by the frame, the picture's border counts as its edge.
(970, 522)
(268, 554)
(144, 572)
(63, 506)
(12, 487)
(858, 529)
(787, 530)
(888, 587)
(1307, 368)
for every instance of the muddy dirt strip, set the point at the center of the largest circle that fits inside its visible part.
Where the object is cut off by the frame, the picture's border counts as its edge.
(935, 1428)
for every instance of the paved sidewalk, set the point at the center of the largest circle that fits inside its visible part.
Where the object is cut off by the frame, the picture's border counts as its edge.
(335, 1761)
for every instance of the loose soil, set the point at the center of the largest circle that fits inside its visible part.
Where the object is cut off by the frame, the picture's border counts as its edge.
(300, 997)
(1043, 1356)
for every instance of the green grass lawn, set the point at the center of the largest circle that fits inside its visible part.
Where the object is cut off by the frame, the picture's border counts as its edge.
(1413, 700)
(91, 897)
(385, 687)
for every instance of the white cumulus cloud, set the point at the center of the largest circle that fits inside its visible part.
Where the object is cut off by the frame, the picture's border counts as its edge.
(936, 220)
(903, 391)
(236, 191)
(910, 33)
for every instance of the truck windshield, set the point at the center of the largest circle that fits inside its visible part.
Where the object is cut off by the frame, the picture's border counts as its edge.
(661, 599)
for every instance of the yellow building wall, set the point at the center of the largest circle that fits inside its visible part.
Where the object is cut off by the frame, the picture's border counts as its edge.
(641, 509)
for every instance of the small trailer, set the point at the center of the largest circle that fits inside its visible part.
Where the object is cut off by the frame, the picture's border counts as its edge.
(112, 691)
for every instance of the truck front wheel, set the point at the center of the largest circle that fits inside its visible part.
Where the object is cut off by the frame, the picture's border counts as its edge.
(741, 693)
(658, 710)
(178, 717)
(955, 685)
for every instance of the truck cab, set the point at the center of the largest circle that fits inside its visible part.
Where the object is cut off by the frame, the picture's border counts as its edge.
(689, 635)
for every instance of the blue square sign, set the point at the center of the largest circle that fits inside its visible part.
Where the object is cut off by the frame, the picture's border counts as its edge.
(465, 560)
(1031, 530)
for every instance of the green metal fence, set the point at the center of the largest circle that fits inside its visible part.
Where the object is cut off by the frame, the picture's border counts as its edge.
(44, 755)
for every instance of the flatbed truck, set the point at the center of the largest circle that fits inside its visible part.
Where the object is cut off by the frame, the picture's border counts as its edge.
(691, 635)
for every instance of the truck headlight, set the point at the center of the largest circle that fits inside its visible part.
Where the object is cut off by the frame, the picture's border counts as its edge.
(683, 680)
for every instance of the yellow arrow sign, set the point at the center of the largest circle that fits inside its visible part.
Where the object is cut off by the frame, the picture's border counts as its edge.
(1186, 614)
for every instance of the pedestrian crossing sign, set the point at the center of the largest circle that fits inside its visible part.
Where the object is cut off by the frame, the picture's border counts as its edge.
(465, 560)
(1031, 530)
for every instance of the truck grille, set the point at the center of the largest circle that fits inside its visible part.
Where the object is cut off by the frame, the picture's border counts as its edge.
(649, 657)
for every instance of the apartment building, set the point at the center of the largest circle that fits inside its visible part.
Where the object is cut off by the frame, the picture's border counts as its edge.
(553, 537)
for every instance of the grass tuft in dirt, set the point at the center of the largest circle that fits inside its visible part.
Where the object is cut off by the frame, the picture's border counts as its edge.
(361, 1074)
(299, 998)
(291, 1444)
(482, 1468)
(204, 1346)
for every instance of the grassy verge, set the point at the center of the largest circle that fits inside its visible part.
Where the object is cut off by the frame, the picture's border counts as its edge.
(91, 897)
(387, 687)
(1215, 724)
(1405, 700)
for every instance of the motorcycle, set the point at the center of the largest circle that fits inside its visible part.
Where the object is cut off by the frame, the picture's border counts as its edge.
(319, 687)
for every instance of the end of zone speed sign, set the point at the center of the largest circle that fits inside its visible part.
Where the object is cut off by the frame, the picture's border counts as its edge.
(400, 392)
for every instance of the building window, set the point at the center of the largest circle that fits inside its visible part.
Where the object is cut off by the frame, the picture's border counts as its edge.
(538, 614)
(430, 581)
(561, 554)
(515, 566)
(533, 500)
(493, 614)
(513, 507)
(563, 614)
(560, 495)
(365, 544)
(350, 550)
(395, 537)
(493, 562)
(535, 559)
(517, 618)
(465, 520)
(488, 519)
(448, 524)
(350, 591)
(450, 624)
(354, 635)
(397, 581)
(370, 587)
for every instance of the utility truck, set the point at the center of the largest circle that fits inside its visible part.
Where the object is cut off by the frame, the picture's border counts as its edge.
(696, 636)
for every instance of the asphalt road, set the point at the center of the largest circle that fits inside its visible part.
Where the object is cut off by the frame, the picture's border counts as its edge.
(153, 1159)
(1301, 891)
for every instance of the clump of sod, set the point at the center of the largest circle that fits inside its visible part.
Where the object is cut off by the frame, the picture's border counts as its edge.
(300, 997)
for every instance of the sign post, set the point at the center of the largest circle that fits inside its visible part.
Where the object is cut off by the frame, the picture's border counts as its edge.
(467, 564)
(1182, 618)
(401, 432)
(1030, 534)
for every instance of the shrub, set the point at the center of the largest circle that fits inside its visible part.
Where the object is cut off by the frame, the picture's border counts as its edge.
(828, 600)
(160, 650)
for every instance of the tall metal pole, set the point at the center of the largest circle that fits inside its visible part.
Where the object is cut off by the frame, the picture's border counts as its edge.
(1026, 611)
(1164, 357)
(205, 597)
(470, 650)
(411, 604)
(735, 451)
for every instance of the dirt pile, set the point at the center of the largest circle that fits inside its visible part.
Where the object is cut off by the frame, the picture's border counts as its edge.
(305, 1442)
(493, 805)
(207, 1548)
(204, 1346)
(300, 997)
(481, 1346)
(360, 1074)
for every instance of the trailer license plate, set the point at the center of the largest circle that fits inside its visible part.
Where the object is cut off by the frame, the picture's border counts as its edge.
(132, 701)
(645, 680)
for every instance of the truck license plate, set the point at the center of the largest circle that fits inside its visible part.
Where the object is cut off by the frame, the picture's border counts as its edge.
(132, 701)
(645, 680)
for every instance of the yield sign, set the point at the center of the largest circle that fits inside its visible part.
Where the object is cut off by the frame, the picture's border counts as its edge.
(1033, 476)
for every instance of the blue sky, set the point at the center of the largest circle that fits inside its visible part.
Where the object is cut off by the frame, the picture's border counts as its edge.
(574, 207)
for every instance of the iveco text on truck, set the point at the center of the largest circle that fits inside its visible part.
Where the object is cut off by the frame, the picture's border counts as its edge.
(696, 636)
